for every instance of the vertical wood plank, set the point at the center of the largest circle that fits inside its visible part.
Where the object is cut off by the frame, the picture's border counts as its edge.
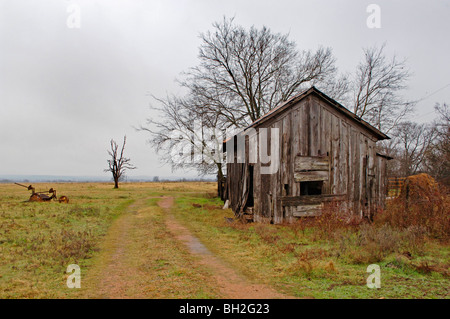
(295, 147)
(343, 158)
(304, 129)
(313, 128)
(335, 146)
(286, 162)
(356, 171)
(326, 144)
(350, 167)
(361, 182)
(277, 185)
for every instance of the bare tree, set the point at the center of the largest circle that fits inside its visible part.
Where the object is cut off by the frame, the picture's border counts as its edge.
(118, 164)
(437, 158)
(377, 86)
(241, 75)
(391, 148)
(414, 141)
(188, 137)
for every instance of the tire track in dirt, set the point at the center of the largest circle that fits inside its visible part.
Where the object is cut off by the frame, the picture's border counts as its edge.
(120, 276)
(231, 285)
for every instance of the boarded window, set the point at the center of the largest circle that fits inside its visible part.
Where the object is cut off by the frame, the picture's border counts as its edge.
(311, 169)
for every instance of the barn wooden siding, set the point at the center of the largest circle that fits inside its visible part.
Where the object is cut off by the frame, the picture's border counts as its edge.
(318, 142)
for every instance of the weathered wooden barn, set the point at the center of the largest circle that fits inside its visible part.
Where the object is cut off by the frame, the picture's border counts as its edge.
(325, 153)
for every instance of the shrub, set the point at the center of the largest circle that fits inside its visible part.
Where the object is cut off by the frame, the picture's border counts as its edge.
(384, 239)
(422, 204)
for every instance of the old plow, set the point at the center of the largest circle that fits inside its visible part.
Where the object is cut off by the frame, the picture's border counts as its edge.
(45, 196)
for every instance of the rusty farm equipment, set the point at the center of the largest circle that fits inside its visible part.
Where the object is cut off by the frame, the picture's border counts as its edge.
(44, 196)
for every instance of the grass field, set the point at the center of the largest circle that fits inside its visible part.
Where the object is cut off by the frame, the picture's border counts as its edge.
(99, 225)
(39, 240)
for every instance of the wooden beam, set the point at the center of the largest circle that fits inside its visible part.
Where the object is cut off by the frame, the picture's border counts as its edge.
(303, 163)
(307, 210)
(311, 176)
(310, 199)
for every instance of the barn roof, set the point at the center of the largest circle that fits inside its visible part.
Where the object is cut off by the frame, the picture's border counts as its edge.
(340, 108)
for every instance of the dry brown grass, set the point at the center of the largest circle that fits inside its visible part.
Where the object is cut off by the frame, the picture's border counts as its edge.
(422, 204)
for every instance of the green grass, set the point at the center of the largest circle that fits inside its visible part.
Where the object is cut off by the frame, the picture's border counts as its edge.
(39, 240)
(154, 265)
(304, 263)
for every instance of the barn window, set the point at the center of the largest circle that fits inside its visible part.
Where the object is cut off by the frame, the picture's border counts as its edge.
(311, 188)
(311, 172)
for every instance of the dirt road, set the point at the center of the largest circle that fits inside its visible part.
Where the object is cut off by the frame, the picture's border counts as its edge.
(122, 270)
(120, 279)
(230, 283)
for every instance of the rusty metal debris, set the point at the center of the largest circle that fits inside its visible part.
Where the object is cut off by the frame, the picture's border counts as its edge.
(45, 196)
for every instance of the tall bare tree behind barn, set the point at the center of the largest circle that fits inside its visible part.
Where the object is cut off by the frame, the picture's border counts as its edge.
(242, 74)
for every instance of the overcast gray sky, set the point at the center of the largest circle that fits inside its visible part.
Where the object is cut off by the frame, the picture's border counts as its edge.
(65, 92)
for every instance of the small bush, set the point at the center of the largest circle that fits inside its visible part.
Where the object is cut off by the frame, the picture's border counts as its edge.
(385, 238)
(422, 204)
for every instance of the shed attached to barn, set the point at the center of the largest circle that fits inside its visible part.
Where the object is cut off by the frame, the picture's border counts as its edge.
(317, 152)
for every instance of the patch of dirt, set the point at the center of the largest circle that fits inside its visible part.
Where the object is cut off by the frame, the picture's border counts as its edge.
(231, 284)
